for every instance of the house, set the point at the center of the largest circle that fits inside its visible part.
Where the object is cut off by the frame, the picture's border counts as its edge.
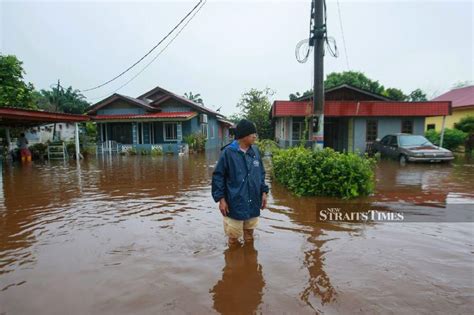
(462, 105)
(44, 133)
(157, 119)
(353, 118)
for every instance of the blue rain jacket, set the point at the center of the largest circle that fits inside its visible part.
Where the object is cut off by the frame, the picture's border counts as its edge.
(240, 178)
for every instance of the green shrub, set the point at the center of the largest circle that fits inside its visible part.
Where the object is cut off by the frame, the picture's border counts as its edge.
(453, 138)
(132, 151)
(156, 151)
(466, 124)
(324, 172)
(267, 145)
(195, 141)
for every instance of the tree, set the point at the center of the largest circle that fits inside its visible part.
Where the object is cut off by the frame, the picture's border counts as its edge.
(466, 124)
(58, 99)
(361, 81)
(14, 92)
(354, 78)
(298, 95)
(417, 96)
(255, 106)
(395, 94)
(196, 98)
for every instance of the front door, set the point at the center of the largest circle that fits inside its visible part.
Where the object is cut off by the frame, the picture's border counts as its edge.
(121, 132)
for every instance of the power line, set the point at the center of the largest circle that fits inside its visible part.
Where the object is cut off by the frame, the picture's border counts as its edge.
(343, 38)
(157, 55)
(148, 53)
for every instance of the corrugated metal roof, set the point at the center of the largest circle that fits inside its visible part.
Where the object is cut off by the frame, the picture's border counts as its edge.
(459, 97)
(145, 116)
(364, 108)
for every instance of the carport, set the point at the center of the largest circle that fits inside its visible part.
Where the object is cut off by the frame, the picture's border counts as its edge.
(12, 117)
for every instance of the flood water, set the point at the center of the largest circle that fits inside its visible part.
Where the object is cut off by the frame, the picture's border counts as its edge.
(142, 235)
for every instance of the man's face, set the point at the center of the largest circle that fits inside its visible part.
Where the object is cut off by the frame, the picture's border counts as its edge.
(250, 139)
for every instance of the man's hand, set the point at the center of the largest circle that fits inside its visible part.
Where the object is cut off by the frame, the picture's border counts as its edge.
(264, 200)
(223, 207)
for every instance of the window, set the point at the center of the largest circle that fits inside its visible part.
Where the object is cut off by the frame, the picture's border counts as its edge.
(393, 141)
(204, 130)
(211, 130)
(385, 140)
(171, 131)
(297, 132)
(371, 131)
(407, 126)
(140, 133)
(431, 127)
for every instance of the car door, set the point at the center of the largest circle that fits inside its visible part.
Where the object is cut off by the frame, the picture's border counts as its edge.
(382, 145)
(392, 147)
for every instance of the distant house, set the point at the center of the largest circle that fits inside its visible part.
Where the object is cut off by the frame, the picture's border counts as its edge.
(157, 119)
(462, 105)
(353, 118)
(44, 133)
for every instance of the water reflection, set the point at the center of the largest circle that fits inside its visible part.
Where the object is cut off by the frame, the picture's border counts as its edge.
(62, 220)
(240, 289)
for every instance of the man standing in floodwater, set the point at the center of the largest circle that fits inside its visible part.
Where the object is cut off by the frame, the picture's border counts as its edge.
(238, 184)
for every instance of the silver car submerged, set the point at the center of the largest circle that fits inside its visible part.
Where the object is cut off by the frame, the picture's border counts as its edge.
(410, 148)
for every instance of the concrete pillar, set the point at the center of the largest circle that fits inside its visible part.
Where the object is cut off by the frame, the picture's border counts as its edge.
(76, 139)
(443, 125)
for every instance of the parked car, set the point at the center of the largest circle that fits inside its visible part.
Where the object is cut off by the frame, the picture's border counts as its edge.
(410, 148)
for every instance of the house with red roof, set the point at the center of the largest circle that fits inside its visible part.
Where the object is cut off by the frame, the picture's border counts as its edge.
(353, 118)
(157, 119)
(462, 100)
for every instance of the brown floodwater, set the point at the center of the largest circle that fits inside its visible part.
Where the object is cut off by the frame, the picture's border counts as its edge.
(142, 235)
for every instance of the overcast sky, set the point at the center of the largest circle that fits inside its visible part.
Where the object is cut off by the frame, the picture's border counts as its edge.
(232, 46)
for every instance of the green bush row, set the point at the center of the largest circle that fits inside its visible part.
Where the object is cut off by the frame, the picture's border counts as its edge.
(453, 138)
(324, 172)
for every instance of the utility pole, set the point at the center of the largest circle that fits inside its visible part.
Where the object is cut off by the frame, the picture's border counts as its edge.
(317, 40)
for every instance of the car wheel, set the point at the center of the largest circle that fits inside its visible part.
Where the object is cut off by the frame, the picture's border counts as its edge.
(403, 159)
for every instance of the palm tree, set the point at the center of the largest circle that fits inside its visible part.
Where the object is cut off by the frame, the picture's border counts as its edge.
(196, 98)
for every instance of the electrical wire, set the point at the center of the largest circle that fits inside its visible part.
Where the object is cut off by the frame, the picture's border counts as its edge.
(343, 37)
(154, 58)
(148, 53)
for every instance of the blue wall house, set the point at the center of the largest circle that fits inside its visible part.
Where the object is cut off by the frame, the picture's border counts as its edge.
(157, 119)
(353, 118)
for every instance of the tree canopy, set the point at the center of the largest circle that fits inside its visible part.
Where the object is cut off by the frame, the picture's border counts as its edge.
(196, 98)
(361, 81)
(255, 106)
(58, 99)
(14, 92)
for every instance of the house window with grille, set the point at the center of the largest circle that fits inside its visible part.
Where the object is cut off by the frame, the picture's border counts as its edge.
(171, 131)
(204, 130)
(407, 126)
(371, 131)
(431, 127)
(211, 131)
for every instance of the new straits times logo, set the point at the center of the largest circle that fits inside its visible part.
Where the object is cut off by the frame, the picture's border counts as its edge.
(335, 214)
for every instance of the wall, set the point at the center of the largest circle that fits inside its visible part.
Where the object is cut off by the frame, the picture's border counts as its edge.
(120, 107)
(385, 125)
(458, 113)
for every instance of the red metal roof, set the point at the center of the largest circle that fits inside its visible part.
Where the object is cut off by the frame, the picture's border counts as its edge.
(459, 97)
(363, 108)
(12, 116)
(145, 116)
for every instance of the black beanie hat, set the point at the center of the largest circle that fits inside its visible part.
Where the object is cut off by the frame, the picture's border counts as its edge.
(244, 128)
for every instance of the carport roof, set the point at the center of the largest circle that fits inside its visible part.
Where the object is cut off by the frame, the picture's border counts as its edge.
(19, 117)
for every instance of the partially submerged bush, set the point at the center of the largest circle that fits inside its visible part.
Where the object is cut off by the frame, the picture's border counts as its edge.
(453, 138)
(267, 146)
(196, 141)
(324, 172)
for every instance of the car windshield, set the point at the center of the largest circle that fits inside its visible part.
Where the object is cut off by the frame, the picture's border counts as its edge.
(408, 141)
